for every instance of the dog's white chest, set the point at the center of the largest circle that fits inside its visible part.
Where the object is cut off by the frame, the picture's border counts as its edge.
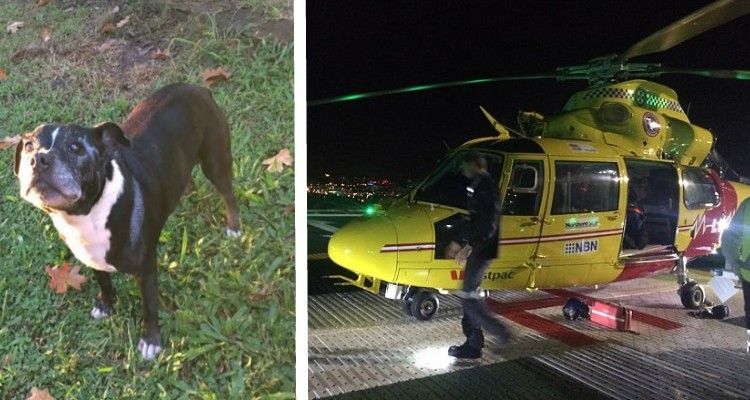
(87, 235)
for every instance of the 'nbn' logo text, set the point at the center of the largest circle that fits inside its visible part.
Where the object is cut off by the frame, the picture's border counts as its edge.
(580, 247)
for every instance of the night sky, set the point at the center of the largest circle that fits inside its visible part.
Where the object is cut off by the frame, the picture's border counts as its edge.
(374, 45)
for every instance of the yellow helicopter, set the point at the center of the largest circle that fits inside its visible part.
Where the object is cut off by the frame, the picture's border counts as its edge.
(617, 185)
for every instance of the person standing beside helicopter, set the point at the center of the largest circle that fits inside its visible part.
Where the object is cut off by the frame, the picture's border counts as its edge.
(477, 249)
(735, 247)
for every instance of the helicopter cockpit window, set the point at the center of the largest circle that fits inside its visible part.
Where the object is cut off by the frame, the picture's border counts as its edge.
(524, 195)
(585, 187)
(700, 191)
(447, 185)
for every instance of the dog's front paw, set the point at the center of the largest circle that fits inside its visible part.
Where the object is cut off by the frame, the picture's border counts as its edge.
(233, 233)
(148, 348)
(100, 310)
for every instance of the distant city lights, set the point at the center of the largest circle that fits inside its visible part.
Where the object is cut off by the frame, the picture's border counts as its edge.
(360, 189)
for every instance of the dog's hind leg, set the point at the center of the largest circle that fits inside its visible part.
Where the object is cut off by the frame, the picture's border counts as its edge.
(216, 163)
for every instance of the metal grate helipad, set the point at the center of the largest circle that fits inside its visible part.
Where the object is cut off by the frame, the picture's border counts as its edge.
(362, 346)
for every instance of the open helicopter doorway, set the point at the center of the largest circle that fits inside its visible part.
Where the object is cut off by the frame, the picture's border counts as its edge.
(653, 206)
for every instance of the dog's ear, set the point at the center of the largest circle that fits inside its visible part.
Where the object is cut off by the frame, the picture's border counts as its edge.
(19, 148)
(111, 135)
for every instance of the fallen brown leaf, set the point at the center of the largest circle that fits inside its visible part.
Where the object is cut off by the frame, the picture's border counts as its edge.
(75, 279)
(123, 21)
(3, 75)
(39, 394)
(212, 76)
(6, 361)
(41, 3)
(260, 295)
(63, 276)
(8, 142)
(14, 26)
(158, 55)
(277, 162)
(46, 35)
(289, 209)
(107, 28)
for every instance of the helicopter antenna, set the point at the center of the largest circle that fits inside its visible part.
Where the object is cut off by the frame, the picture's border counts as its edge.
(503, 131)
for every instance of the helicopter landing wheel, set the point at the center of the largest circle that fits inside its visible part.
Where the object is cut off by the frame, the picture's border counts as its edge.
(692, 295)
(424, 305)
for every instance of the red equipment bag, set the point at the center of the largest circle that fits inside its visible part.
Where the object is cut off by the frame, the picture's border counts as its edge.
(610, 315)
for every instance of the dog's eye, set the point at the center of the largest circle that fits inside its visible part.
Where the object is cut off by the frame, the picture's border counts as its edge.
(28, 146)
(76, 147)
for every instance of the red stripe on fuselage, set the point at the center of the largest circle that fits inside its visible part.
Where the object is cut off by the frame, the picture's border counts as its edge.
(643, 269)
(511, 241)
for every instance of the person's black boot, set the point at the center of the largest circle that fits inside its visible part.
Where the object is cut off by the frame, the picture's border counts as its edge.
(464, 351)
(472, 348)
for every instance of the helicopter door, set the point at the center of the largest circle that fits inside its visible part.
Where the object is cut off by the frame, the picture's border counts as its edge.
(582, 225)
(653, 207)
(700, 221)
(522, 211)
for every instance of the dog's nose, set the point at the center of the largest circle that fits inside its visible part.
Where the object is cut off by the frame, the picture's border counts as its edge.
(40, 161)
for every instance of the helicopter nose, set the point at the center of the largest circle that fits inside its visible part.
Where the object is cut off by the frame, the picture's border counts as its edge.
(359, 247)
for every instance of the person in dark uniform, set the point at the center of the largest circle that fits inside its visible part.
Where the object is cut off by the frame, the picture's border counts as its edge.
(478, 247)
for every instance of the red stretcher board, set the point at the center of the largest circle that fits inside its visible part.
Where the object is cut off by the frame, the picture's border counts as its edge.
(610, 315)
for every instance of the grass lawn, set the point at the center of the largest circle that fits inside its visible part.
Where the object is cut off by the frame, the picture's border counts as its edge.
(227, 315)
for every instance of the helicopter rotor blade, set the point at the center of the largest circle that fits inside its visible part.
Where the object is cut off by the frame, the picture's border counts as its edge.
(738, 74)
(711, 16)
(420, 88)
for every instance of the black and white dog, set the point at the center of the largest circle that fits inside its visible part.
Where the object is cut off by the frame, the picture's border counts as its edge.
(110, 189)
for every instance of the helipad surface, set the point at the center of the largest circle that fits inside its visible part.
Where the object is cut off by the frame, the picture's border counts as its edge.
(362, 346)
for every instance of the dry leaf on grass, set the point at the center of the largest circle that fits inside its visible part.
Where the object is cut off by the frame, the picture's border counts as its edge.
(8, 142)
(41, 3)
(6, 361)
(3, 75)
(212, 76)
(277, 162)
(107, 28)
(123, 21)
(39, 394)
(158, 55)
(289, 209)
(63, 276)
(14, 26)
(46, 35)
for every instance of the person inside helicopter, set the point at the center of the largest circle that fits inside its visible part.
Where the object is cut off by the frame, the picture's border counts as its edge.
(660, 205)
(636, 235)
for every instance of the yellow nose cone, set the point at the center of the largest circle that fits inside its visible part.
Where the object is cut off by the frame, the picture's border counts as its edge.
(362, 247)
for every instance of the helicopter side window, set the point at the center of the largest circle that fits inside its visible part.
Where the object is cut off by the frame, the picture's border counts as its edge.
(585, 187)
(447, 185)
(700, 191)
(524, 195)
